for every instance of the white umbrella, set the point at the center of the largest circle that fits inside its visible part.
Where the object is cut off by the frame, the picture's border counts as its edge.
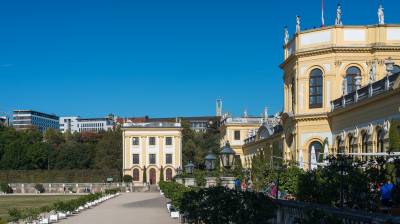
(326, 152)
(313, 159)
(301, 159)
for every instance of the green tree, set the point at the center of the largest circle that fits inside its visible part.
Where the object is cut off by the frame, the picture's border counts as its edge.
(109, 151)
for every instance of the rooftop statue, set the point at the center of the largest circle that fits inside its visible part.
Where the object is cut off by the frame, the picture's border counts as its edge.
(381, 15)
(338, 21)
(286, 40)
(372, 73)
(297, 24)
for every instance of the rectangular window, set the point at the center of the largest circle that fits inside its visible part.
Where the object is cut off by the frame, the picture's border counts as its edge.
(168, 158)
(135, 159)
(152, 158)
(237, 135)
(135, 141)
(168, 140)
(152, 141)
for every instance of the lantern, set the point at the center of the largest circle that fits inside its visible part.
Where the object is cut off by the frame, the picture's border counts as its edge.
(210, 161)
(227, 156)
(189, 168)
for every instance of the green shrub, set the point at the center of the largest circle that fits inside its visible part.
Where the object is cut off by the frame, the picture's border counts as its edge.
(59, 176)
(112, 191)
(127, 178)
(221, 205)
(40, 188)
(15, 214)
(4, 187)
(174, 191)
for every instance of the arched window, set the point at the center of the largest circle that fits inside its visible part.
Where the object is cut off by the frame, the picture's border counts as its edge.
(379, 142)
(319, 154)
(135, 175)
(396, 69)
(351, 74)
(168, 174)
(351, 144)
(316, 89)
(364, 145)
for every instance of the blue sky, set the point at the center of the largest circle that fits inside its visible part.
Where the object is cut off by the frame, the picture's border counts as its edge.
(157, 58)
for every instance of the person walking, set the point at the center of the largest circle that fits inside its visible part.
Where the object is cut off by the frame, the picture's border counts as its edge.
(237, 184)
(386, 194)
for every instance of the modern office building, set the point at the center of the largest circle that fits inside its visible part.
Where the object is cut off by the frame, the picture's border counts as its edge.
(77, 124)
(25, 119)
(153, 148)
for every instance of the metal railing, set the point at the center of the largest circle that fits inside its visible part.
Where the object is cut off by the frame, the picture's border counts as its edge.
(365, 92)
(290, 211)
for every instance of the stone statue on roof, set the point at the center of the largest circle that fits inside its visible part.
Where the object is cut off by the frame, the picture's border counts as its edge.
(338, 21)
(381, 15)
(372, 73)
(298, 24)
(286, 40)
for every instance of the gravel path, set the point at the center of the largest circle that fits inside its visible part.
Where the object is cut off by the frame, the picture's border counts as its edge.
(141, 208)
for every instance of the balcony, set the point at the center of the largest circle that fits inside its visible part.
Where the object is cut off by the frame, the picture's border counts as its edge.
(371, 90)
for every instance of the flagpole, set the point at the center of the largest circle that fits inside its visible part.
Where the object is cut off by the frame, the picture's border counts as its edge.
(322, 16)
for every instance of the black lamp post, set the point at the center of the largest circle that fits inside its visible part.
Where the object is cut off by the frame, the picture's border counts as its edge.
(210, 161)
(227, 156)
(189, 168)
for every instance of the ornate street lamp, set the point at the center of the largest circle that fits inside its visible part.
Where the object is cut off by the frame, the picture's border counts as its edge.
(189, 168)
(210, 161)
(227, 156)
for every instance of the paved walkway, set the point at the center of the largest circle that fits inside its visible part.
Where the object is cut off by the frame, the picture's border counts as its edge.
(143, 208)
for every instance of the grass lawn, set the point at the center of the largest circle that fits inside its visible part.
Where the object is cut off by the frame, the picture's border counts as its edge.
(29, 201)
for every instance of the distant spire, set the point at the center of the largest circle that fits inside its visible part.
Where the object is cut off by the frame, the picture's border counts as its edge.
(266, 112)
(219, 107)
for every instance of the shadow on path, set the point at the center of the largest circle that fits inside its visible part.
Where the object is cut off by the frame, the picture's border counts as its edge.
(149, 203)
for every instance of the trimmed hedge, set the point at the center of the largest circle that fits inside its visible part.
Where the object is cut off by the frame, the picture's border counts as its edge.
(58, 176)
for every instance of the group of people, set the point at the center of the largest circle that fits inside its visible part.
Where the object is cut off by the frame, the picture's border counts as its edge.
(243, 185)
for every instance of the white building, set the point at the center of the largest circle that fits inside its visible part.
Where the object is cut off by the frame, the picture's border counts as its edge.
(151, 148)
(77, 124)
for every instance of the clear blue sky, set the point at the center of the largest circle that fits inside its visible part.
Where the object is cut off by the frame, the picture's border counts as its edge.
(157, 58)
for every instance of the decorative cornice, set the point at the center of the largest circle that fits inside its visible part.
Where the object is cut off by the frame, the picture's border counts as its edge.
(344, 49)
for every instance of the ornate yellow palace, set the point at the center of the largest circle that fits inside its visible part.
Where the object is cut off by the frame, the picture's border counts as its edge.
(341, 88)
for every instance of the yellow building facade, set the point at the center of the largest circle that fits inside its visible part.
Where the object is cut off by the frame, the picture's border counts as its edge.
(236, 129)
(322, 65)
(151, 148)
(267, 141)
